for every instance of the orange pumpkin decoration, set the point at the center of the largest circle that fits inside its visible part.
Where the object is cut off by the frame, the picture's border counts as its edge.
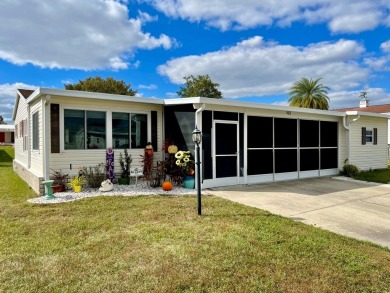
(167, 186)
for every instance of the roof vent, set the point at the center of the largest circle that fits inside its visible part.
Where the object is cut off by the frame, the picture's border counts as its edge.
(363, 100)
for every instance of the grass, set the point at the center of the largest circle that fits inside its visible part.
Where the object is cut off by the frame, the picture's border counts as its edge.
(379, 176)
(159, 244)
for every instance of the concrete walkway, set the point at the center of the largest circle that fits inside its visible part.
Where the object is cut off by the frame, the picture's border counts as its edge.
(348, 207)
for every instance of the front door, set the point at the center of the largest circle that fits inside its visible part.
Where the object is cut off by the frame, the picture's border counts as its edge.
(225, 153)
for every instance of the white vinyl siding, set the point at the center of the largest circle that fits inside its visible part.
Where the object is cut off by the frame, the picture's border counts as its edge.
(369, 156)
(67, 159)
(36, 155)
(21, 114)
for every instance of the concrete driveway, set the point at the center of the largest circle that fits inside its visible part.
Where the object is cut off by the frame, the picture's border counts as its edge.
(348, 207)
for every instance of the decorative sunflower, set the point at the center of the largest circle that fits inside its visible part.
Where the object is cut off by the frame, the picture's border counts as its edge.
(172, 149)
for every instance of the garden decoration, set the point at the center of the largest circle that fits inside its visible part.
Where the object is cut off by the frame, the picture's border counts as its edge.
(110, 163)
(60, 180)
(76, 183)
(167, 186)
(48, 190)
(183, 160)
(106, 185)
(148, 159)
(171, 169)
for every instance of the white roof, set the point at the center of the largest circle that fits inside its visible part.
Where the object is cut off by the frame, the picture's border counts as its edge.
(196, 101)
(7, 127)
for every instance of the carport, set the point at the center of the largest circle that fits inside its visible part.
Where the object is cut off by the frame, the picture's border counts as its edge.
(348, 207)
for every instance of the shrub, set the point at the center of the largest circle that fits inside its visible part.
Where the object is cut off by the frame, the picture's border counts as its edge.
(125, 162)
(350, 170)
(95, 175)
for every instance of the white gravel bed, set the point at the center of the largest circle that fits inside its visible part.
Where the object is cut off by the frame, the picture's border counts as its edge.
(119, 190)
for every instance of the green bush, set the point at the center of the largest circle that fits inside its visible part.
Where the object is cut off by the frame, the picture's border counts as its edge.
(350, 170)
(95, 175)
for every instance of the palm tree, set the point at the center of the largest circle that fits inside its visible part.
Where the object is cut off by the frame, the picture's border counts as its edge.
(307, 93)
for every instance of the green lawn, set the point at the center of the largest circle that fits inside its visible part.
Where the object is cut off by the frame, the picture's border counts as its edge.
(379, 176)
(159, 244)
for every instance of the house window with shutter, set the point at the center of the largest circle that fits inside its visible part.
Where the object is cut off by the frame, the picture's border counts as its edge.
(369, 136)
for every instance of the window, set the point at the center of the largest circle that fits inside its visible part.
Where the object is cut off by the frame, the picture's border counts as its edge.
(84, 129)
(129, 130)
(24, 134)
(35, 129)
(369, 135)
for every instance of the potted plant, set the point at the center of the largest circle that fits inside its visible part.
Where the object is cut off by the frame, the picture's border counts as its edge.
(60, 180)
(125, 162)
(184, 161)
(76, 183)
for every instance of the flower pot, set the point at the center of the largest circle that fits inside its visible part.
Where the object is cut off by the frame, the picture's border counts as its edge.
(77, 188)
(57, 188)
(189, 182)
(124, 181)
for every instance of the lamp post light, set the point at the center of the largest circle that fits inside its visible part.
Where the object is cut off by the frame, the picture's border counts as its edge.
(197, 138)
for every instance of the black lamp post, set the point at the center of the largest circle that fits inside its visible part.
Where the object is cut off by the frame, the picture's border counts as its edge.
(197, 138)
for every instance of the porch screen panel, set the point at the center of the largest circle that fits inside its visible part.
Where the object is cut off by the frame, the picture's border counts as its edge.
(285, 136)
(309, 133)
(328, 133)
(285, 133)
(226, 150)
(231, 116)
(227, 167)
(329, 145)
(207, 162)
(309, 159)
(260, 162)
(260, 132)
(309, 142)
(227, 140)
(329, 159)
(285, 160)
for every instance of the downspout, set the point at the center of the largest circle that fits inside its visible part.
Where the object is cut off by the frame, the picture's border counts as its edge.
(347, 126)
(45, 131)
(197, 113)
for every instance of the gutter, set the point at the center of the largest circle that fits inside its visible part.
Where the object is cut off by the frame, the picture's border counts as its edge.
(347, 126)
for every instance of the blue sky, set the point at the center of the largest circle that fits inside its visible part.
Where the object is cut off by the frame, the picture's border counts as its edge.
(254, 49)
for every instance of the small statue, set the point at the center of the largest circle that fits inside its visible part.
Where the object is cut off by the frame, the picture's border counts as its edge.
(106, 185)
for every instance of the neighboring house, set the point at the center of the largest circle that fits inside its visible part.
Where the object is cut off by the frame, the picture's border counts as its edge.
(243, 143)
(7, 134)
(365, 107)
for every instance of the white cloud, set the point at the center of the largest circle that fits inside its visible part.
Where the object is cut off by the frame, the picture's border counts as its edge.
(351, 16)
(350, 99)
(257, 68)
(385, 46)
(7, 98)
(145, 17)
(149, 86)
(73, 34)
(381, 63)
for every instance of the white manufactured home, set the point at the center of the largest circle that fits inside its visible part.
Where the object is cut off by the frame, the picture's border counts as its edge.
(243, 143)
(7, 134)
